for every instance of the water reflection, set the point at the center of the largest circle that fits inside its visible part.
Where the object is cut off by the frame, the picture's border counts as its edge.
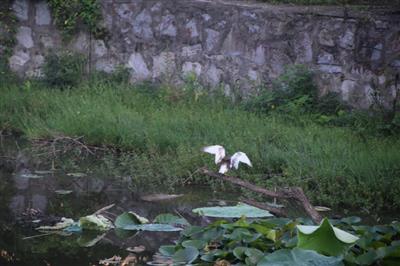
(27, 195)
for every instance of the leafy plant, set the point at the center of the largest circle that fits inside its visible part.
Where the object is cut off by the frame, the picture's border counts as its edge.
(71, 16)
(280, 241)
(63, 70)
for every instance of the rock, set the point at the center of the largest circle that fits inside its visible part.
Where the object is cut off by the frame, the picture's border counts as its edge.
(212, 39)
(377, 52)
(167, 26)
(139, 67)
(43, 16)
(331, 69)
(326, 38)
(47, 42)
(106, 65)
(81, 43)
(325, 58)
(24, 37)
(191, 27)
(124, 11)
(142, 25)
(213, 75)
(100, 48)
(252, 75)
(347, 40)
(164, 64)
(347, 88)
(191, 51)
(303, 49)
(191, 68)
(21, 8)
(259, 55)
(18, 60)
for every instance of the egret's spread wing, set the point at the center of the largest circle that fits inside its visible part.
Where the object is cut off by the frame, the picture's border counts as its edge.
(223, 169)
(240, 157)
(217, 150)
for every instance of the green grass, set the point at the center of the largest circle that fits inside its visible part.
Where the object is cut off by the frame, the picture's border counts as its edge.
(162, 134)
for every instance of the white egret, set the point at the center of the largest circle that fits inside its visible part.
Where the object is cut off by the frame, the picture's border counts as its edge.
(227, 162)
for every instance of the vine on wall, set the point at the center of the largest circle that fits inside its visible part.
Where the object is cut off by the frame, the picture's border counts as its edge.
(70, 16)
(8, 29)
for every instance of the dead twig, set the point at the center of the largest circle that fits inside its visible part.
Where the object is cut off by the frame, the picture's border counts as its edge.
(104, 209)
(294, 193)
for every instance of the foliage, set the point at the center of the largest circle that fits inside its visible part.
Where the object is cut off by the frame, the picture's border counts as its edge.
(159, 141)
(275, 242)
(8, 29)
(63, 70)
(233, 211)
(71, 15)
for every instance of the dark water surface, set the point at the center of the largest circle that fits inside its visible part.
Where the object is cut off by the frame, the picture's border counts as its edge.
(28, 194)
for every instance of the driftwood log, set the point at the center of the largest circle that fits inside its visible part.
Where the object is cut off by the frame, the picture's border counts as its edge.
(291, 193)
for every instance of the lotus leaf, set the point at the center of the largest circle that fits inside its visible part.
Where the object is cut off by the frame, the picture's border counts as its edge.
(95, 222)
(152, 227)
(298, 257)
(233, 211)
(325, 238)
(186, 255)
(171, 219)
(129, 218)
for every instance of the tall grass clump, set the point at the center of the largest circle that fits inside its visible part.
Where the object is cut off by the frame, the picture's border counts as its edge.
(160, 138)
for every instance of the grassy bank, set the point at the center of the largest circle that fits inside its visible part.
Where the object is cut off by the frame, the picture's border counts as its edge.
(162, 133)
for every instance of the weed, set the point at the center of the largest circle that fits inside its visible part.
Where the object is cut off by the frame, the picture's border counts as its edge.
(161, 140)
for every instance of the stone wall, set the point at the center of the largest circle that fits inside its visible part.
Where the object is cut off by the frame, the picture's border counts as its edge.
(236, 45)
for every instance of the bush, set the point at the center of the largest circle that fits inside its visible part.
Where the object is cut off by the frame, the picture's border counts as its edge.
(64, 70)
(293, 91)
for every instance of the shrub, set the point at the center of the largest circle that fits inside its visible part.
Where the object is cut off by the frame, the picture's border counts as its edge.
(64, 70)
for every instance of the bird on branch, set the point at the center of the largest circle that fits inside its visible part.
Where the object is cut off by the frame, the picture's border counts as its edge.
(227, 162)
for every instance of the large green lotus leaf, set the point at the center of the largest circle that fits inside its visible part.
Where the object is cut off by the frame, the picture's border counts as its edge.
(186, 256)
(233, 211)
(325, 238)
(95, 222)
(152, 227)
(171, 219)
(167, 250)
(129, 218)
(197, 243)
(298, 257)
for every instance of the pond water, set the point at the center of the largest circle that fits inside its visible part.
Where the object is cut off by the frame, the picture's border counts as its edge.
(28, 195)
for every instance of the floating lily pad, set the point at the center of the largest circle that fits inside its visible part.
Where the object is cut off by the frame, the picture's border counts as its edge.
(171, 219)
(322, 209)
(65, 223)
(31, 176)
(298, 257)
(186, 255)
(129, 218)
(152, 227)
(63, 192)
(233, 211)
(95, 222)
(76, 174)
(325, 238)
(160, 197)
(43, 172)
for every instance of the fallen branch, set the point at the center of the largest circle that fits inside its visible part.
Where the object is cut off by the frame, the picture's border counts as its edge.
(275, 211)
(294, 193)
